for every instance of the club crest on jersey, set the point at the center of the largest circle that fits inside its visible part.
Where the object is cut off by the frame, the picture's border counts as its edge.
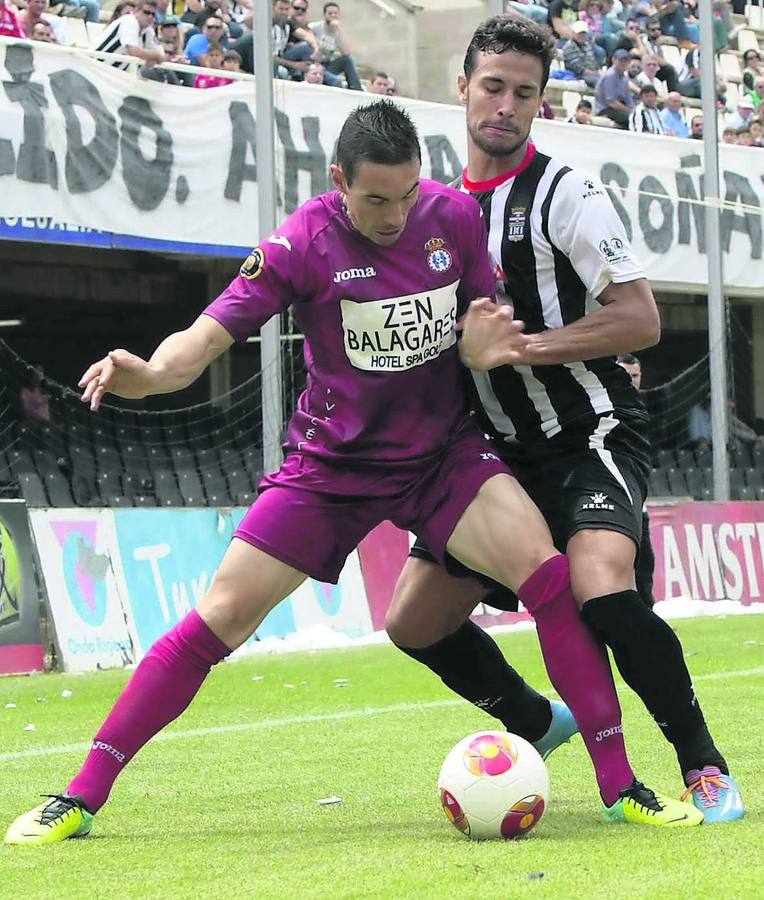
(438, 257)
(516, 224)
(613, 250)
(253, 265)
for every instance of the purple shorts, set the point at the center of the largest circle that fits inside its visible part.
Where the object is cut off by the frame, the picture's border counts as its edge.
(312, 514)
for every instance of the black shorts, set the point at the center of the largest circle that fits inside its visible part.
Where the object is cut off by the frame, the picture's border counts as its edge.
(588, 489)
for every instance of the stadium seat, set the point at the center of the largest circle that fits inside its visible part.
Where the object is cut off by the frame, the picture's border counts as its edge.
(107, 458)
(677, 484)
(58, 489)
(94, 30)
(77, 33)
(695, 481)
(658, 485)
(665, 458)
(32, 489)
(119, 501)
(684, 458)
(570, 100)
(144, 500)
(754, 478)
(182, 459)
(741, 457)
(738, 488)
(239, 483)
(754, 13)
(672, 55)
(166, 488)
(703, 457)
(137, 483)
(191, 489)
(207, 458)
(84, 491)
(729, 65)
(46, 462)
(747, 40)
(215, 487)
(230, 459)
(108, 483)
(20, 461)
(134, 458)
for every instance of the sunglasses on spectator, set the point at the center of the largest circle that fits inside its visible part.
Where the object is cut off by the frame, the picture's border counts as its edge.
(299, 8)
(149, 12)
(217, 27)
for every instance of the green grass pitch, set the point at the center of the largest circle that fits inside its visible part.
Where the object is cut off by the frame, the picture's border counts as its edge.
(225, 804)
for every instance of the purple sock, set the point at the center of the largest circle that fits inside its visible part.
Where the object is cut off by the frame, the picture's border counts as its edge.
(163, 685)
(578, 668)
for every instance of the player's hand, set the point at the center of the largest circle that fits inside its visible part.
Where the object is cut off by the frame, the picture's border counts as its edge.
(490, 336)
(120, 373)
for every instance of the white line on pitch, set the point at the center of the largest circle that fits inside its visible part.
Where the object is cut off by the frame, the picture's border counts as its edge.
(311, 719)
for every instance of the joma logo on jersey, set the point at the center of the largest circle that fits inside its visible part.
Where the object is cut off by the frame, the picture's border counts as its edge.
(351, 274)
(598, 501)
(516, 224)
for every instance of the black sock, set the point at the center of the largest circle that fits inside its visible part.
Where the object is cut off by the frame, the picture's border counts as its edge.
(650, 659)
(470, 663)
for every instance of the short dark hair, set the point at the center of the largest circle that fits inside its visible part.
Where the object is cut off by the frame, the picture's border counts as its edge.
(648, 89)
(380, 75)
(232, 54)
(627, 359)
(330, 3)
(694, 119)
(502, 33)
(379, 132)
(215, 47)
(584, 104)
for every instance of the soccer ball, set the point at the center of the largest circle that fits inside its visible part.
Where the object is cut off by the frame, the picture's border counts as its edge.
(494, 785)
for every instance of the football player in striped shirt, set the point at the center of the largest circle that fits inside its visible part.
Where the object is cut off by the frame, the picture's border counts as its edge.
(566, 418)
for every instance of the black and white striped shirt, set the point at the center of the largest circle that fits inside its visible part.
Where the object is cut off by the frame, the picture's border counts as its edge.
(557, 242)
(123, 33)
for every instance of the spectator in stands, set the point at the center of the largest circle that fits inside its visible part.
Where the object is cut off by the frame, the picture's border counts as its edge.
(646, 117)
(91, 9)
(213, 31)
(673, 16)
(380, 83)
(545, 110)
(232, 61)
(673, 118)
(757, 133)
(744, 137)
(649, 75)
(315, 73)
(650, 44)
(35, 13)
(579, 56)
(291, 61)
(220, 9)
(212, 59)
(729, 135)
(9, 23)
(133, 35)
(125, 8)
(613, 97)
(757, 94)
(43, 32)
(689, 77)
(391, 86)
(752, 67)
(334, 48)
(35, 399)
(743, 116)
(533, 9)
(562, 15)
(169, 35)
(583, 113)
(634, 70)
(696, 128)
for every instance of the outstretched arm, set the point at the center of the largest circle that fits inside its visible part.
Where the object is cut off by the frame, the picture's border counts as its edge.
(176, 363)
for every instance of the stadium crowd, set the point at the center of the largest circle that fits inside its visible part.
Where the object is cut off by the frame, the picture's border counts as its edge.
(631, 64)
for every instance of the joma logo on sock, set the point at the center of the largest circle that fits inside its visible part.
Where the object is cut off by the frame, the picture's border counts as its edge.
(608, 732)
(120, 757)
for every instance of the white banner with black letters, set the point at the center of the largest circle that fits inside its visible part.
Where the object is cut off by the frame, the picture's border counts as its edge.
(91, 154)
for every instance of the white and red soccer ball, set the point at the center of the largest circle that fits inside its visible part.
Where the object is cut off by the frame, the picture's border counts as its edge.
(494, 785)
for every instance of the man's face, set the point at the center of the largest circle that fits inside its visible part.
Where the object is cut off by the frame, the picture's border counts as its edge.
(635, 67)
(37, 7)
(315, 74)
(674, 101)
(654, 31)
(729, 136)
(169, 33)
(503, 97)
(635, 372)
(580, 36)
(379, 85)
(650, 68)
(331, 14)
(650, 99)
(380, 198)
(745, 139)
(621, 63)
(42, 32)
(745, 112)
(756, 130)
(213, 28)
(145, 15)
(758, 86)
(696, 127)
(300, 11)
(281, 10)
(632, 27)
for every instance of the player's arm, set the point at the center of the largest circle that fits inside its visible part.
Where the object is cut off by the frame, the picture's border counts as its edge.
(627, 321)
(176, 363)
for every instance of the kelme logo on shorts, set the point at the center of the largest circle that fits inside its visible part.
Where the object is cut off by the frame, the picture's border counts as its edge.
(598, 501)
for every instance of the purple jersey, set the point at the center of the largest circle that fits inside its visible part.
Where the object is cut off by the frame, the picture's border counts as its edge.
(384, 382)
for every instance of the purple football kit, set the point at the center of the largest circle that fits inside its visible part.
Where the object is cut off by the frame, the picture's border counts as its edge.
(382, 429)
